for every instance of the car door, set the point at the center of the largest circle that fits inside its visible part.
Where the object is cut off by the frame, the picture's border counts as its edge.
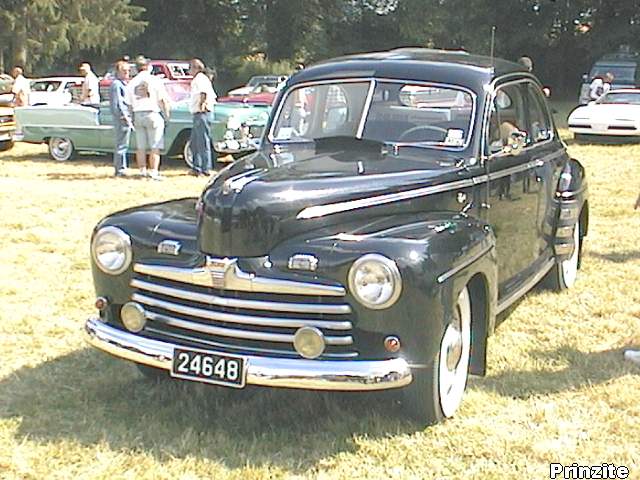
(512, 194)
(548, 156)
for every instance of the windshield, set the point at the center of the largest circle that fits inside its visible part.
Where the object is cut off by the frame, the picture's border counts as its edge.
(45, 86)
(626, 98)
(621, 73)
(398, 113)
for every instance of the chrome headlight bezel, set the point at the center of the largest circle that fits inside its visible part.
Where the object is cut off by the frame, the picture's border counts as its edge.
(391, 271)
(124, 242)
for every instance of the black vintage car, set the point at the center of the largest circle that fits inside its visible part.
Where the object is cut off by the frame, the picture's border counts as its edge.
(398, 203)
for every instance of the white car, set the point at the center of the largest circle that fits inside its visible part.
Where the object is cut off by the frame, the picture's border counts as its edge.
(259, 84)
(55, 91)
(615, 114)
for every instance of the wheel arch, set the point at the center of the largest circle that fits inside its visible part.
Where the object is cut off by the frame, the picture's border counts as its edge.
(178, 142)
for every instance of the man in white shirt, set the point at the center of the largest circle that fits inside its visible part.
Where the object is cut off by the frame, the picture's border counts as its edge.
(90, 86)
(21, 88)
(147, 97)
(203, 97)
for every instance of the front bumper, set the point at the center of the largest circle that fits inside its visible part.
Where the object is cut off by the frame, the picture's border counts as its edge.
(344, 375)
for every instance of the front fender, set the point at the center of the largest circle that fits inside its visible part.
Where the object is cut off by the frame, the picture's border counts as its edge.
(437, 254)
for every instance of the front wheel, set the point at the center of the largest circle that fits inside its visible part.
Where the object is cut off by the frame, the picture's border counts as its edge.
(61, 149)
(6, 145)
(436, 391)
(563, 274)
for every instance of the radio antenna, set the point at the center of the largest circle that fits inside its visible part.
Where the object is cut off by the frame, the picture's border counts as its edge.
(493, 44)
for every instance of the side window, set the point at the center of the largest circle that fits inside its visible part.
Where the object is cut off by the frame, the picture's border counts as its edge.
(507, 118)
(335, 110)
(540, 126)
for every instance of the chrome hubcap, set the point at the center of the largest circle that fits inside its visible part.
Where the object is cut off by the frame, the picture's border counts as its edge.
(455, 350)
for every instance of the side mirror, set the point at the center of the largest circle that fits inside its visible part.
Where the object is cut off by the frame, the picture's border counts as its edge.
(517, 142)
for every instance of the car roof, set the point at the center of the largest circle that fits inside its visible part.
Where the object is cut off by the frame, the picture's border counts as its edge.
(57, 79)
(420, 64)
(623, 90)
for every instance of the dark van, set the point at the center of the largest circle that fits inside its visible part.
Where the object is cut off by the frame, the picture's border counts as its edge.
(624, 67)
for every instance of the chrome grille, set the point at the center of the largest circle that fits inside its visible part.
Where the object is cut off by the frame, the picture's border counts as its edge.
(239, 321)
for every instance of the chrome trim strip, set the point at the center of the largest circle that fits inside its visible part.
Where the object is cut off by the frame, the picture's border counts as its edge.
(450, 273)
(347, 375)
(241, 303)
(240, 319)
(241, 348)
(532, 282)
(236, 279)
(331, 208)
(365, 110)
(233, 333)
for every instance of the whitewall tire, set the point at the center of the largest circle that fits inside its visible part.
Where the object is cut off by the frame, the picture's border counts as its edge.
(437, 390)
(187, 154)
(564, 273)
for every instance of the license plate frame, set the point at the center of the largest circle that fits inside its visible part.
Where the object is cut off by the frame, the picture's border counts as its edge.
(185, 367)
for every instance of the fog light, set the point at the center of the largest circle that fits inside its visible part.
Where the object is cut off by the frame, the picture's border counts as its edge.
(309, 342)
(392, 344)
(133, 317)
(101, 303)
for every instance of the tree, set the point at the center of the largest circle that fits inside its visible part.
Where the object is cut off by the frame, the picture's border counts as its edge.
(39, 32)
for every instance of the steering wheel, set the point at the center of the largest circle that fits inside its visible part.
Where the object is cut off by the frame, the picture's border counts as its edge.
(417, 128)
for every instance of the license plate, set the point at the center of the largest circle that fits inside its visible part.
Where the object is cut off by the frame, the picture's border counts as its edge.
(208, 367)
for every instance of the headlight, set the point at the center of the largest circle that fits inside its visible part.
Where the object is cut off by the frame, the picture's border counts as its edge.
(375, 281)
(111, 250)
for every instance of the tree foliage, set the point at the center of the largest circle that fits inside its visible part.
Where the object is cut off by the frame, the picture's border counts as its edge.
(562, 36)
(40, 32)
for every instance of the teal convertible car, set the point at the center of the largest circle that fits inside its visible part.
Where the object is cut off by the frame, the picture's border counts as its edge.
(236, 129)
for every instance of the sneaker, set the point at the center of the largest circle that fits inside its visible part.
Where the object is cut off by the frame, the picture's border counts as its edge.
(123, 172)
(632, 356)
(155, 176)
(194, 173)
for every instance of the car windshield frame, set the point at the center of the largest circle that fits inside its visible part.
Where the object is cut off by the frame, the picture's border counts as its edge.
(603, 99)
(372, 84)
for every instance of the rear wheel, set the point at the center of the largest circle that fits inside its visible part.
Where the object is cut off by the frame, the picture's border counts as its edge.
(437, 391)
(564, 273)
(6, 145)
(187, 154)
(61, 149)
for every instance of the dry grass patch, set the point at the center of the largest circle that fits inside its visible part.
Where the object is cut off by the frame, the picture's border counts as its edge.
(557, 388)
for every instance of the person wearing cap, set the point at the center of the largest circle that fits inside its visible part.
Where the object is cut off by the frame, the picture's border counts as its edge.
(21, 88)
(148, 98)
(203, 97)
(90, 86)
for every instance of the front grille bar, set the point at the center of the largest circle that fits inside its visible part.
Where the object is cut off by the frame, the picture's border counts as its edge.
(240, 319)
(339, 309)
(243, 348)
(234, 333)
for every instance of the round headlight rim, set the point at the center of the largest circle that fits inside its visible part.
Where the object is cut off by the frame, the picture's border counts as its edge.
(395, 274)
(128, 252)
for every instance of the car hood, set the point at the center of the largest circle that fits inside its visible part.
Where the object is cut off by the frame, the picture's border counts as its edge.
(264, 199)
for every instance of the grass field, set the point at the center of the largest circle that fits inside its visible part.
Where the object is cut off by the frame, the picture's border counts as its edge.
(557, 389)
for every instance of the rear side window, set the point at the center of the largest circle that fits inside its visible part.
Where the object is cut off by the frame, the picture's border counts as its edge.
(508, 115)
(540, 126)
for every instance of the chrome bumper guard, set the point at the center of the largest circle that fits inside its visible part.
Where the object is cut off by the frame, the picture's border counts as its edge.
(345, 375)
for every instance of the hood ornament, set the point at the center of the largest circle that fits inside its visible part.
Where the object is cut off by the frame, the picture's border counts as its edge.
(218, 270)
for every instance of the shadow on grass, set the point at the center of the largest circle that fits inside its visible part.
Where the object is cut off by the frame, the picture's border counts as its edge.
(582, 369)
(89, 397)
(616, 257)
